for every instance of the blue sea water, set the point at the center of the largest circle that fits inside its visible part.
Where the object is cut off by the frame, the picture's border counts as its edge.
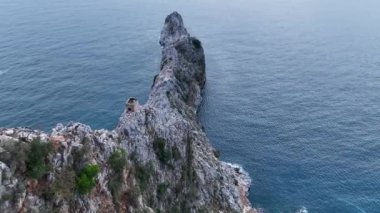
(292, 94)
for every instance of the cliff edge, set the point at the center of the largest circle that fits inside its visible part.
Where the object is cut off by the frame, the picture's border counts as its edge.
(158, 159)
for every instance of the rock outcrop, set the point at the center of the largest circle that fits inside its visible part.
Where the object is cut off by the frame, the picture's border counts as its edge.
(158, 159)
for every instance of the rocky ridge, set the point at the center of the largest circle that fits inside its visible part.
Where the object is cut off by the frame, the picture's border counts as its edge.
(158, 158)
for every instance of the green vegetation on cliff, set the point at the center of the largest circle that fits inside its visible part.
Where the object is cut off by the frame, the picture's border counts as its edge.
(86, 180)
(36, 163)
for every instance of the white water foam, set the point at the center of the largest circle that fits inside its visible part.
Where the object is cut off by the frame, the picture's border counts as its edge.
(303, 209)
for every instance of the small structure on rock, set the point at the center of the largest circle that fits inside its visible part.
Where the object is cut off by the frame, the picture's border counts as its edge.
(132, 105)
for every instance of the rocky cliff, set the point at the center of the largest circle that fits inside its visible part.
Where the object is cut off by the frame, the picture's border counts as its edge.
(158, 159)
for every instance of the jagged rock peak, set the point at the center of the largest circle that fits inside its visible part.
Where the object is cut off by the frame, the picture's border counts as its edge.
(169, 120)
(182, 73)
(173, 29)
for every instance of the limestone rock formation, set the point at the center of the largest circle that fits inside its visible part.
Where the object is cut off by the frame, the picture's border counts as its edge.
(158, 159)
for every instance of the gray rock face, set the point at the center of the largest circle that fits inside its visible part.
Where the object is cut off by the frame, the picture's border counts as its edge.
(171, 166)
(170, 113)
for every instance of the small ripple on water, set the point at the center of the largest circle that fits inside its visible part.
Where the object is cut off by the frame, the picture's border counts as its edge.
(3, 71)
(348, 203)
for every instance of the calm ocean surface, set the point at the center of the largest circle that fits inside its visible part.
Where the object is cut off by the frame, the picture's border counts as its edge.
(293, 90)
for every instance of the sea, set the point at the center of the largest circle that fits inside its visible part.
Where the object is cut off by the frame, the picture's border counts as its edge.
(292, 92)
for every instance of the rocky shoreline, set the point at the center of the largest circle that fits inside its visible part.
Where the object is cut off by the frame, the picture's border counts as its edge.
(158, 158)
